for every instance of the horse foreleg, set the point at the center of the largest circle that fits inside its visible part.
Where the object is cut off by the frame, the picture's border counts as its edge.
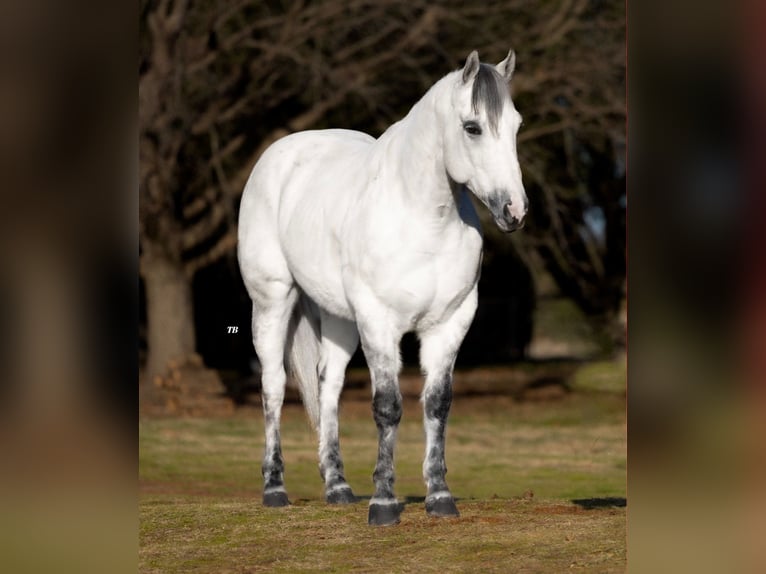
(339, 341)
(382, 353)
(438, 349)
(437, 399)
(387, 411)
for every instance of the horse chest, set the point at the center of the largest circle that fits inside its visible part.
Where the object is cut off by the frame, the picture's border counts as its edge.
(425, 279)
(454, 276)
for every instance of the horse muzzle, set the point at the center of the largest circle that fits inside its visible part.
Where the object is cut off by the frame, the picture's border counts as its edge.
(508, 215)
(507, 221)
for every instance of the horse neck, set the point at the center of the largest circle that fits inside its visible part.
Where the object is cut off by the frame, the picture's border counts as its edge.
(420, 157)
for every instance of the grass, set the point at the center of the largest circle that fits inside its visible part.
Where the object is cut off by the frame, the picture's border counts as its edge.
(561, 329)
(515, 468)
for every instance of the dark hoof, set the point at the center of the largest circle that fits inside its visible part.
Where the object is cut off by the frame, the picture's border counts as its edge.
(275, 499)
(442, 507)
(341, 496)
(384, 514)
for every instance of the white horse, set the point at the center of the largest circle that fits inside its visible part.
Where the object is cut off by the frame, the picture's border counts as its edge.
(344, 237)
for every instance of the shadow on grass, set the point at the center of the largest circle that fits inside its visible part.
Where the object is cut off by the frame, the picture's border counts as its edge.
(407, 499)
(606, 502)
(402, 502)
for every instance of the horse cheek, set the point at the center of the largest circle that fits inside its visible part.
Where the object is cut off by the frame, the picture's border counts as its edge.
(456, 160)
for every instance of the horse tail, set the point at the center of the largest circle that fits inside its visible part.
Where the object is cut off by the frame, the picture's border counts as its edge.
(302, 354)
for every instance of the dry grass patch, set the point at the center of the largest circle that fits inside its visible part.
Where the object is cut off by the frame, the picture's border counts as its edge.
(514, 466)
(490, 536)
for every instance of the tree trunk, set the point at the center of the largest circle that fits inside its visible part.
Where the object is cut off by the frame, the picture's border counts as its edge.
(170, 314)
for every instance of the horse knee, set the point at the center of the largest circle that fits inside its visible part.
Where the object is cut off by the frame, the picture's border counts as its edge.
(437, 400)
(387, 407)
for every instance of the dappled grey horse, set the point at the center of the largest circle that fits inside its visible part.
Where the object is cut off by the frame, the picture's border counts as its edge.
(344, 238)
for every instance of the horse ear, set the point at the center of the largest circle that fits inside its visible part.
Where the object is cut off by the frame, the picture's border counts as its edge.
(506, 67)
(471, 67)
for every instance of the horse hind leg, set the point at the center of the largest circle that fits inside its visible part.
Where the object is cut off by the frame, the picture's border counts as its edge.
(271, 316)
(339, 341)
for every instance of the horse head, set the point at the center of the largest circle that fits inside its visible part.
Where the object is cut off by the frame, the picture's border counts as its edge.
(480, 124)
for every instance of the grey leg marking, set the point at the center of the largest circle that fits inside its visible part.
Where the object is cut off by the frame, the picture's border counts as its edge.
(387, 412)
(269, 334)
(437, 402)
(437, 399)
(273, 467)
(438, 349)
(380, 340)
(337, 490)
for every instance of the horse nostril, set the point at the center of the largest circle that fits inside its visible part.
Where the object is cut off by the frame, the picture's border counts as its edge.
(507, 212)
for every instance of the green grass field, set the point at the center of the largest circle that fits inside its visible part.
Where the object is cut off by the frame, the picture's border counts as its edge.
(515, 467)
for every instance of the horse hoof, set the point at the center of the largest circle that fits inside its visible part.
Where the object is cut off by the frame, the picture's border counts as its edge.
(442, 507)
(341, 496)
(383, 514)
(275, 499)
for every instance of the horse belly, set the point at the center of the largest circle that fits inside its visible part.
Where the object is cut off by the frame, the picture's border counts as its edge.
(313, 258)
(323, 283)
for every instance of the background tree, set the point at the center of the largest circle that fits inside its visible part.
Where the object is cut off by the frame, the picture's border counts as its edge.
(220, 81)
(572, 154)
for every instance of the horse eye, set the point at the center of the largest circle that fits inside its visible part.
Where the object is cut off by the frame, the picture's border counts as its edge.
(472, 128)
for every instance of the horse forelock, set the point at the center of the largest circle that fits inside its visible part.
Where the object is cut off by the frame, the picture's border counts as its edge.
(490, 90)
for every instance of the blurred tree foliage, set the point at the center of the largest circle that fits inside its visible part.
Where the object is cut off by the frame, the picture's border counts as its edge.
(219, 81)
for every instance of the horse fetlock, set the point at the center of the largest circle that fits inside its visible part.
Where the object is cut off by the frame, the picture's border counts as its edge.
(273, 473)
(383, 477)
